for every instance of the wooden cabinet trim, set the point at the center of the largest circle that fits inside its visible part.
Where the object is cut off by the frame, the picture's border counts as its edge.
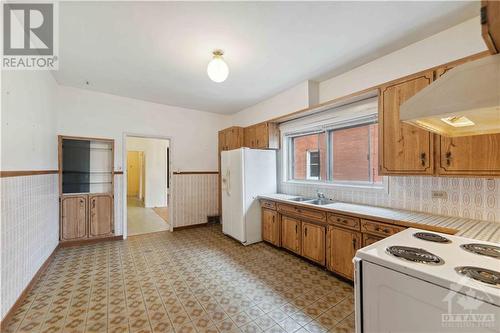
(344, 221)
(306, 213)
(379, 229)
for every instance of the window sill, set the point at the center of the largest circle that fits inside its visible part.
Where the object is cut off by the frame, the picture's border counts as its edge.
(381, 188)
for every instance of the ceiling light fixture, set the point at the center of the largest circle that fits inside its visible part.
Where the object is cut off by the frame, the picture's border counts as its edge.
(217, 69)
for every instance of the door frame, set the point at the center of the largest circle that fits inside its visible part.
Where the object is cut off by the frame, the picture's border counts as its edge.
(124, 183)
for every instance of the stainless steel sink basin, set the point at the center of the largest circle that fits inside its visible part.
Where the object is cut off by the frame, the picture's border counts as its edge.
(302, 199)
(320, 202)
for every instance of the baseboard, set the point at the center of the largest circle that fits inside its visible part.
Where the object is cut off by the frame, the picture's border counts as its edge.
(190, 226)
(89, 241)
(4, 322)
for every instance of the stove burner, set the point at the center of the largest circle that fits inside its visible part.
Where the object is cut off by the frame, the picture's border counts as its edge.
(414, 254)
(480, 274)
(482, 249)
(428, 236)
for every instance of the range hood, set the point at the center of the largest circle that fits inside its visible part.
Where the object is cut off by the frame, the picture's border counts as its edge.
(463, 102)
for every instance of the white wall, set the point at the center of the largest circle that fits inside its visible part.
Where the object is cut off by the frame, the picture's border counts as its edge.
(454, 43)
(155, 153)
(28, 121)
(293, 99)
(29, 218)
(457, 42)
(193, 133)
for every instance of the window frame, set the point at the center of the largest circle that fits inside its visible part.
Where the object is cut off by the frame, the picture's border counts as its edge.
(287, 158)
(308, 164)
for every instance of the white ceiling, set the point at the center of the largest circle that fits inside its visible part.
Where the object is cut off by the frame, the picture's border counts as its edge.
(158, 51)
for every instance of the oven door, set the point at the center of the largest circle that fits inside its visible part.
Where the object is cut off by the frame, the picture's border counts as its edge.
(391, 301)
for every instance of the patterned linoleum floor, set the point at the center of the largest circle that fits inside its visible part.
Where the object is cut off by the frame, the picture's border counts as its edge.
(194, 280)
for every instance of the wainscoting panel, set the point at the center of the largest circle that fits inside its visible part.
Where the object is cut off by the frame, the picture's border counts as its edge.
(194, 197)
(29, 230)
(475, 198)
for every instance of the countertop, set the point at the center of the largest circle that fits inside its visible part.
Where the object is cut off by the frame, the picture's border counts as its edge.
(476, 229)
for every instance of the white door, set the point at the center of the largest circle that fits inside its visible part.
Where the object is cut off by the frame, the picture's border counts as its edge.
(232, 194)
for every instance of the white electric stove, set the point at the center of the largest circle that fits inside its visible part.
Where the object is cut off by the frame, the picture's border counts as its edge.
(419, 281)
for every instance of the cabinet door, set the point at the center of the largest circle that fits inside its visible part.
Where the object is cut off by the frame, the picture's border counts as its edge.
(249, 134)
(313, 242)
(477, 155)
(290, 234)
(270, 226)
(261, 135)
(101, 215)
(404, 149)
(370, 239)
(342, 246)
(73, 217)
(234, 138)
(222, 141)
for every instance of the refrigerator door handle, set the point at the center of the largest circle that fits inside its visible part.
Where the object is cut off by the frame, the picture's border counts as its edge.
(228, 182)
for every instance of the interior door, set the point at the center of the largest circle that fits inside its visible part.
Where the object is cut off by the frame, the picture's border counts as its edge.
(133, 173)
(290, 234)
(101, 214)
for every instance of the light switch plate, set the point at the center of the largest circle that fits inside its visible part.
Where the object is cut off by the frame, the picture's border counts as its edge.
(439, 195)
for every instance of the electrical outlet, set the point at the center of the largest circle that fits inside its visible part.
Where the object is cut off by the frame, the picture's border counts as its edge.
(439, 195)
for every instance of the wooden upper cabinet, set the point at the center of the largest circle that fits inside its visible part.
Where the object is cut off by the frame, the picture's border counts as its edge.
(262, 136)
(100, 215)
(250, 137)
(342, 247)
(313, 242)
(403, 148)
(73, 217)
(231, 138)
(490, 24)
(477, 155)
(270, 226)
(290, 234)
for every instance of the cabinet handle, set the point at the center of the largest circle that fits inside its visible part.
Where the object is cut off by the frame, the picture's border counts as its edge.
(422, 158)
(448, 158)
(296, 229)
(93, 203)
(273, 218)
(306, 231)
(354, 243)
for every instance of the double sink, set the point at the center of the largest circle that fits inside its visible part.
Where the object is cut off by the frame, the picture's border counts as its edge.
(312, 201)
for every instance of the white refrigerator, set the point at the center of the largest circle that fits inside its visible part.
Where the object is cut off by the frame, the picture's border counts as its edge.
(246, 174)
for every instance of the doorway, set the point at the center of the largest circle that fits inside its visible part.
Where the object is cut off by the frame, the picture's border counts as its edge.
(147, 186)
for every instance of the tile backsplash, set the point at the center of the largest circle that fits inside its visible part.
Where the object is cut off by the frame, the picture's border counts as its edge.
(476, 198)
(29, 231)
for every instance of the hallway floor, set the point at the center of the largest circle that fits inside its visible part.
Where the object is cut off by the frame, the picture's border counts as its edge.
(142, 220)
(193, 280)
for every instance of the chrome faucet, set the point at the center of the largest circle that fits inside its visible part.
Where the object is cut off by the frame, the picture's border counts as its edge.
(321, 195)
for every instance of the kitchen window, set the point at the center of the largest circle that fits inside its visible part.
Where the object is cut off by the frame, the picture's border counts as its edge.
(337, 147)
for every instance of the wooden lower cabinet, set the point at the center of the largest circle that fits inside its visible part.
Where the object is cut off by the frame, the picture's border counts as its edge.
(290, 234)
(342, 247)
(101, 215)
(313, 242)
(86, 216)
(270, 226)
(370, 239)
(73, 217)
